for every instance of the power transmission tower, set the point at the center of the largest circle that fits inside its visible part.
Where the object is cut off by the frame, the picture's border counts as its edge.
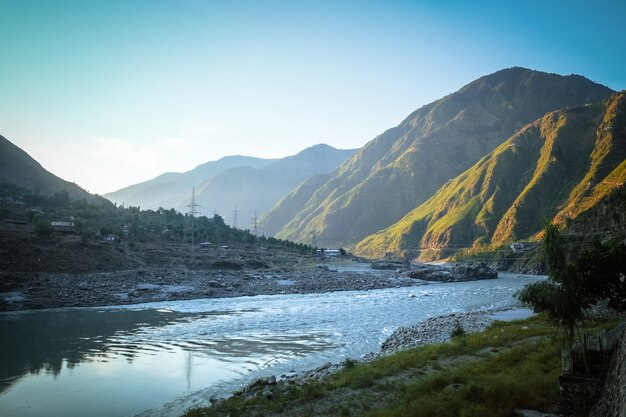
(193, 211)
(235, 218)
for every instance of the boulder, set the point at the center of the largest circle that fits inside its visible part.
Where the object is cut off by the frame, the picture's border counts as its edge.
(452, 273)
(473, 271)
(390, 264)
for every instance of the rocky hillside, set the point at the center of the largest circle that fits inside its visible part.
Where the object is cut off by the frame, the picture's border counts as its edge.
(404, 166)
(20, 169)
(169, 189)
(249, 190)
(567, 164)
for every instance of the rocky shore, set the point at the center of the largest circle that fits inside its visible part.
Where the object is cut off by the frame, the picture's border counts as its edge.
(446, 272)
(437, 330)
(20, 291)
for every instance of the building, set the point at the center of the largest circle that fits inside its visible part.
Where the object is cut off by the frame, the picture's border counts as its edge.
(522, 247)
(64, 227)
(14, 224)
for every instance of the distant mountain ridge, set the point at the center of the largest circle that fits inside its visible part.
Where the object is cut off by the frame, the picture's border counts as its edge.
(234, 183)
(566, 165)
(169, 189)
(255, 190)
(407, 164)
(19, 168)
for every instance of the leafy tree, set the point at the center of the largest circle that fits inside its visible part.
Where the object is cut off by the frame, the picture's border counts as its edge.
(602, 269)
(562, 296)
(42, 228)
(572, 287)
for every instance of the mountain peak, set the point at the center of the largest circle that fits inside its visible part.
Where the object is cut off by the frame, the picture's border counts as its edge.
(406, 164)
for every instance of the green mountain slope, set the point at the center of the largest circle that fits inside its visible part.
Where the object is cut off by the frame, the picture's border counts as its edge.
(19, 168)
(405, 165)
(564, 164)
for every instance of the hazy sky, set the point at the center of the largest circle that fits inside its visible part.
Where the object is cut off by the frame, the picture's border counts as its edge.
(109, 93)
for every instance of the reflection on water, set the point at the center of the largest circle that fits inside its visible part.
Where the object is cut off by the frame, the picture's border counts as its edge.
(165, 357)
(48, 341)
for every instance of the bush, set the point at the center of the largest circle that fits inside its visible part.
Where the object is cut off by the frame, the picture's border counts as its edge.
(457, 329)
(43, 229)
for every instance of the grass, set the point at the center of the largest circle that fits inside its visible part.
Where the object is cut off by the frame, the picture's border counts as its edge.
(509, 365)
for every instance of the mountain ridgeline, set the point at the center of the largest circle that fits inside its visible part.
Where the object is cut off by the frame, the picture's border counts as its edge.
(241, 184)
(17, 168)
(169, 189)
(250, 191)
(563, 166)
(406, 165)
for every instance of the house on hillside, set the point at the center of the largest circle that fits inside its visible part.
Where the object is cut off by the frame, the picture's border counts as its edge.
(14, 224)
(522, 247)
(329, 252)
(66, 228)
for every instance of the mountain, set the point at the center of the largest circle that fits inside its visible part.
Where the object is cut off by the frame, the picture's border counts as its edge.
(404, 166)
(289, 206)
(19, 168)
(565, 166)
(171, 188)
(255, 190)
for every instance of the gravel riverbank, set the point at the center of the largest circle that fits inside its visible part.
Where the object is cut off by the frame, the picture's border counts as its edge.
(46, 290)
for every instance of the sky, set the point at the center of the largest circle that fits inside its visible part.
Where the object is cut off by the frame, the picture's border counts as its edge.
(111, 93)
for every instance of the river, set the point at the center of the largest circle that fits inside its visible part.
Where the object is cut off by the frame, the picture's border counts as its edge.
(159, 359)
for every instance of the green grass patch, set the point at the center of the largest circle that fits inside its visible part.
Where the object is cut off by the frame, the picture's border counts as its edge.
(523, 377)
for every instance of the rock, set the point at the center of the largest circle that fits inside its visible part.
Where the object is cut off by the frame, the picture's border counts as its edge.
(267, 393)
(390, 264)
(323, 367)
(215, 284)
(454, 273)
(473, 271)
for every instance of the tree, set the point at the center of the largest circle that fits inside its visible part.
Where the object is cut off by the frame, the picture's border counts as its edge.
(562, 296)
(598, 274)
(42, 228)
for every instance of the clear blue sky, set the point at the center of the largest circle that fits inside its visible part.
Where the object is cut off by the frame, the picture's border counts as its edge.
(108, 93)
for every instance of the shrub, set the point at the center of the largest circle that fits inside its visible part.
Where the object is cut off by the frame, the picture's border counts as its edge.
(457, 329)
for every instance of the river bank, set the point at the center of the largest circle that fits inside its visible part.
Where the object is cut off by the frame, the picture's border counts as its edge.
(434, 330)
(47, 290)
(438, 379)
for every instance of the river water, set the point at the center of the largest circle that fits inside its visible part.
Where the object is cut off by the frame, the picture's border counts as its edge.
(159, 359)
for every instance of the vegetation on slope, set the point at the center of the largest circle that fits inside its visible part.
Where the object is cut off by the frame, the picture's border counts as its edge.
(405, 165)
(29, 242)
(560, 166)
